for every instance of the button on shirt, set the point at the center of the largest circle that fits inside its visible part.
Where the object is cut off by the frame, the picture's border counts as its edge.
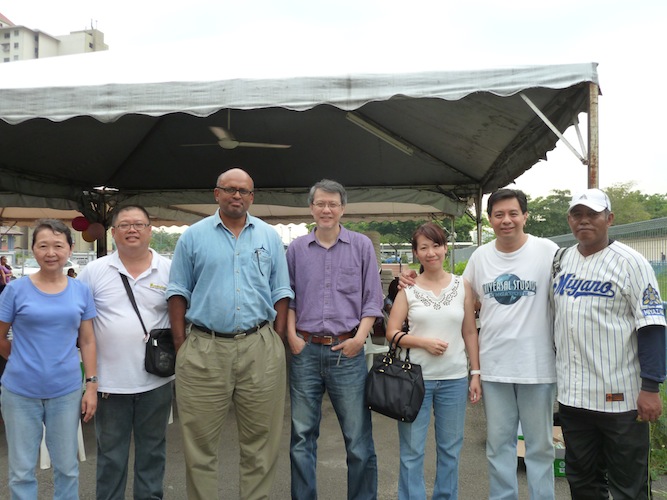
(230, 284)
(335, 287)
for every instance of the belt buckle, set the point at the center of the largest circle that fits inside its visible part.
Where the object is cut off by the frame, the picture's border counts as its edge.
(327, 339)
(240, 336)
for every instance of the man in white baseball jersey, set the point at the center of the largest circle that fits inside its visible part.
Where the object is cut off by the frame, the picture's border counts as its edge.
(610, 342)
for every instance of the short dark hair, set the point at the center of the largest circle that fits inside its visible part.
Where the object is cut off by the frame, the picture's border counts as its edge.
(54, 225)
(328, 186)
(125, 208)
(431, 231)
(506, 194)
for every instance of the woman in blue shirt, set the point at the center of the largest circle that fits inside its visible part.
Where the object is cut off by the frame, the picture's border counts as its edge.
(41, 385)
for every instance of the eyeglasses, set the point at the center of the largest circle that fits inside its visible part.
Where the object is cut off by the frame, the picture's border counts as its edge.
(232, 191)
(125, 226)
(331, 204)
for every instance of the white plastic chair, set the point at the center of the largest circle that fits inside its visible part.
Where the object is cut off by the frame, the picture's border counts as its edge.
(45, 458)
(371, 349)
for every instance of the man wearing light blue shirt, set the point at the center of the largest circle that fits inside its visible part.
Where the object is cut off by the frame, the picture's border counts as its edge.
(335, 277)
(229, 285)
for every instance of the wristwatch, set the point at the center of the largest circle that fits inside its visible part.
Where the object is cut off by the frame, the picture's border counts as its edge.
(92, 379)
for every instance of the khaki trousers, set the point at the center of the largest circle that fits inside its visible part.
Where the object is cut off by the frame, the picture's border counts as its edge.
(213, 372)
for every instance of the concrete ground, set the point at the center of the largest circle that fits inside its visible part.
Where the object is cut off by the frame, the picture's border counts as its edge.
(331, 472)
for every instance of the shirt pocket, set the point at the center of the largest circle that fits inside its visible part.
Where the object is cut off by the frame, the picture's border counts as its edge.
(260, 262)
(349, 279)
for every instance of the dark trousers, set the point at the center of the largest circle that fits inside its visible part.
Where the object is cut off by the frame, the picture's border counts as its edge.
(605, 453)
(118, 418)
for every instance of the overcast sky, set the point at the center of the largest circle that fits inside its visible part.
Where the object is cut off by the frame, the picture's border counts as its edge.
(628, 40)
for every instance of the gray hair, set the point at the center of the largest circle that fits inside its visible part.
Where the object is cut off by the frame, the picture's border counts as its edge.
(328, 186)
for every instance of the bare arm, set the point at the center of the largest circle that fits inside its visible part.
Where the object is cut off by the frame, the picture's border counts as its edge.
(471, 340)
(280, 323)
(177, 306)
(397, 316)
(399, 313)
(296, 343)
(89, 358)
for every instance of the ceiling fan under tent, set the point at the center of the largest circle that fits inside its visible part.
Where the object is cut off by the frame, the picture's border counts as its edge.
(226, 140)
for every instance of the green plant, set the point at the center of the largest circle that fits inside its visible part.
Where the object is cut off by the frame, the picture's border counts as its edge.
(661, 275)
(658, 457)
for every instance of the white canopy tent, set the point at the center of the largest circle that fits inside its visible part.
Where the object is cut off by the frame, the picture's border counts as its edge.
(87, 132)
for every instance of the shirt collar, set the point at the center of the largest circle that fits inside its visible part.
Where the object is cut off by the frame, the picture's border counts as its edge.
(343, 236)
(114, 261)
(217, 221)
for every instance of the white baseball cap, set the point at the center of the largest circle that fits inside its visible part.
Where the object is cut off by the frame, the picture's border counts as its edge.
(591, 198)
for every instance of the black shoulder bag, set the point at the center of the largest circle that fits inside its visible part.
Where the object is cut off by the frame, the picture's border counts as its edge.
(395, 388)
(160, 351)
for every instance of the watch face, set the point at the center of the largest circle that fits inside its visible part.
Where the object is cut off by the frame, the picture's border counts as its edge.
(92, 379)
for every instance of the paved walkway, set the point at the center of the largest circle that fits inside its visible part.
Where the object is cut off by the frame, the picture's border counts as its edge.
(331, 464)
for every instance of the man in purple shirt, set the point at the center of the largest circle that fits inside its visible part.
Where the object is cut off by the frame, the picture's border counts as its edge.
(338, 295)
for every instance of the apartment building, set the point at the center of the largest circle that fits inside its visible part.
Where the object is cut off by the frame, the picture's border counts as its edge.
(18, 43)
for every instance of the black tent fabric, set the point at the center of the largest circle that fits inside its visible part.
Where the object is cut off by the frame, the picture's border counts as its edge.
(404, 145)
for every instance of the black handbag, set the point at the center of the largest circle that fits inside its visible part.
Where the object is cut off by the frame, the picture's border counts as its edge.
(395, 388)
(160, 357)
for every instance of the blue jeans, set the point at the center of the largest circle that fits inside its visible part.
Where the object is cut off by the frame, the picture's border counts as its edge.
(24, 418)
(118, 417)
(448, 400)
(506, 405)
(316, 369)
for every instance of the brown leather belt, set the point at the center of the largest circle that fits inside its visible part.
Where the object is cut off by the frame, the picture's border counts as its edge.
(232, 335)
(326, 339)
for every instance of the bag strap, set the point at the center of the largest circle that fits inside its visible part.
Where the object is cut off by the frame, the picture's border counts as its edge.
(128, 289)
(555, 269)
(393, 339)
(395, 349)
(555, 265)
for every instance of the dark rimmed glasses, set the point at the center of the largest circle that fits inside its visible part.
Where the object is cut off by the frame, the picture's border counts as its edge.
(232, 191)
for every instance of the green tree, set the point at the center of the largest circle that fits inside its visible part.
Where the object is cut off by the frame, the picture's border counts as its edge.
(656, 205)
(627, 204)
(463, 225)
(163, 242)
(399, 232)
(547, 216)
(391, 232)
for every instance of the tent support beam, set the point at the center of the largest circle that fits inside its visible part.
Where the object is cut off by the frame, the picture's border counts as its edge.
(593, 145)
(580, 137)
(478, 215)
(398, 142)
(553, 128)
